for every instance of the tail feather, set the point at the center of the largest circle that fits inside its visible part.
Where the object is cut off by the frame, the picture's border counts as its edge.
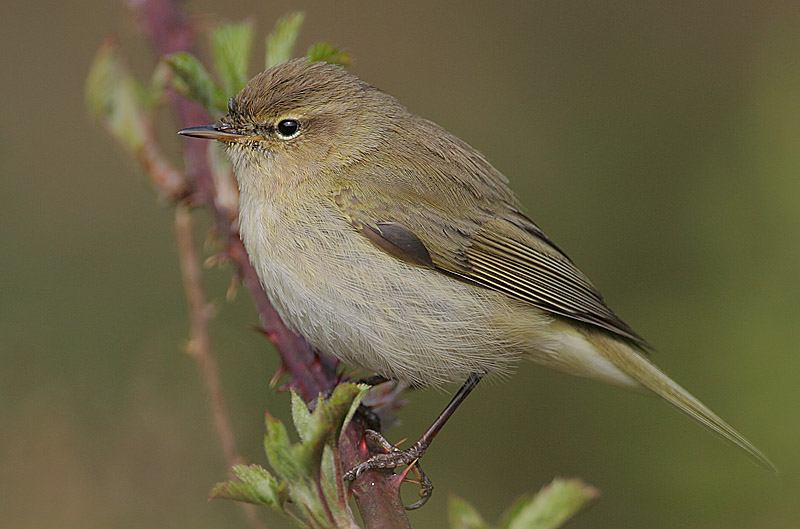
(646, 373)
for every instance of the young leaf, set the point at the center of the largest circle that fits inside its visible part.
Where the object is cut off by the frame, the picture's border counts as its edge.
(256, 486)
(462, 515)
(116, 98)
(332, 486)
(281, 41)
(231, 44)
(279, 451)
(327, 52)
(301, 416)
(552, 506)
(194, 82)
(308, 488)
(158, 83)
(345, 400)
(308, 454)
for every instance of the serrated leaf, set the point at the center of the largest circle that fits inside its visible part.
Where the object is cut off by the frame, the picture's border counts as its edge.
(308, 454)
(194, 82)
(309, 489)
(280, 42)
(256, 486)
(301, 416)
(552, 506)
(279, 451)
(116, 98)
(347, 396)
(331, 484)
(324, 424)
(231, 44)
(462, 515)
(327, 52)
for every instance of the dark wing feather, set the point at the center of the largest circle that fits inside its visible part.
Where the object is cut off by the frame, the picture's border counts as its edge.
(550, 282)
(505, 252)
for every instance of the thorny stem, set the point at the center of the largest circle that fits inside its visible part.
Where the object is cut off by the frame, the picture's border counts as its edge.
(376, 494)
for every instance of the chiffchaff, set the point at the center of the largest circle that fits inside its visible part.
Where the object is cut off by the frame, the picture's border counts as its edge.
(391, 244)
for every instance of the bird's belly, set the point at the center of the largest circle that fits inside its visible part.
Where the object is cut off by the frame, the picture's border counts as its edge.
(351, 300)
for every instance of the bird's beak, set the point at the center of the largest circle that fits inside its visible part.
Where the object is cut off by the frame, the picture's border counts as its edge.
(212, 132)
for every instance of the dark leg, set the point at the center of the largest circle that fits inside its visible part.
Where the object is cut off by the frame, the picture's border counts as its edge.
(395, 457)
(372, 380)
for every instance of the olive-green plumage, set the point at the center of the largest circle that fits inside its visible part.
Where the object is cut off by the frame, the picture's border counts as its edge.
(395, 246)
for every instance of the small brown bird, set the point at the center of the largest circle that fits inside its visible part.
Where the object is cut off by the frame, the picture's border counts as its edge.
(391, 244)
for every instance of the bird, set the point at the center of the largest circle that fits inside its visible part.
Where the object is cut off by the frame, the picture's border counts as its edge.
(396, 247)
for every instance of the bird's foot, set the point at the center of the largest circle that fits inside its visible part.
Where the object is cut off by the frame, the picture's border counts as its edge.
(392, 458)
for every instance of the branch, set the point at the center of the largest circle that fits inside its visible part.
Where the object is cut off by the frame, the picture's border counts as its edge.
(199, 345)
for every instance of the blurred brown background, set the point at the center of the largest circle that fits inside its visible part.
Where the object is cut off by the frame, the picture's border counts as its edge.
(659, 145)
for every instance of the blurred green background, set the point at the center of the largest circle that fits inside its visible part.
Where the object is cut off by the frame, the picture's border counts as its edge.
(658, 144)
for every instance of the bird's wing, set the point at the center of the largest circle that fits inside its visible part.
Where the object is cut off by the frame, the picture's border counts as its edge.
(490, 245)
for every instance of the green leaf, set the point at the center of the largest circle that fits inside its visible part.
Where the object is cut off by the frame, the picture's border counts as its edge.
(158, 83)
(256, 486)
(193, 81)
(345, 400)
(281, 41)
(462, 515)
(325, 424)
(327, 52)
(552, 506)
(308, 487)
(279, 451)
(330, 480)
(116, 98)
(232, 44)
(301, 416)
(308, 454)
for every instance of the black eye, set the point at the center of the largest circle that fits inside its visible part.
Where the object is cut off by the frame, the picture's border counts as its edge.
(288, 128)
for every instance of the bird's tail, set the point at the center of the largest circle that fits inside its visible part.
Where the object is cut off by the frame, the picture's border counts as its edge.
(646, 373)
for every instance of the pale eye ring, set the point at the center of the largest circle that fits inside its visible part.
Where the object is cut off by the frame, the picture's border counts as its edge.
(288, 128)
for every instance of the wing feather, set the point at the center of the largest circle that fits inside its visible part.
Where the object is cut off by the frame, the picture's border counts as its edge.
(494, 247)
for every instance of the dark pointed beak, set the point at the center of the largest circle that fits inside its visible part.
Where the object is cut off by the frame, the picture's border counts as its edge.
(212, 132)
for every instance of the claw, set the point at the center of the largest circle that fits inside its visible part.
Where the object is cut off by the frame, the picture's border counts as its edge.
(392, 458)
(425, 485)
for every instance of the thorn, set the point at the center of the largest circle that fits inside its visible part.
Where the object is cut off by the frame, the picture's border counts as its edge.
(362, 446)
(216, 259)
(269, 334)
(278, 374)
(190, 347)
(405, 472)
(233, 287)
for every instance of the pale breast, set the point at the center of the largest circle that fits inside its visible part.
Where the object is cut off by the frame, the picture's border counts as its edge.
(351, 300)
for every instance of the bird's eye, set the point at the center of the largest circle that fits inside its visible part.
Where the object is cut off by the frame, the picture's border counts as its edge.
(287, 128)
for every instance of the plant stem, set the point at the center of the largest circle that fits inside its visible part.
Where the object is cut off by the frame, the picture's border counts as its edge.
(199, 345)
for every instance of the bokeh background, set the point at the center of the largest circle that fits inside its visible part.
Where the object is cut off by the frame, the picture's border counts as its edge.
(657, 143)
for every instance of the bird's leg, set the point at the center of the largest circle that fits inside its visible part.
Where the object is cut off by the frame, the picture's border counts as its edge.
(395, 457)
(372, 380)
(425, 485)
